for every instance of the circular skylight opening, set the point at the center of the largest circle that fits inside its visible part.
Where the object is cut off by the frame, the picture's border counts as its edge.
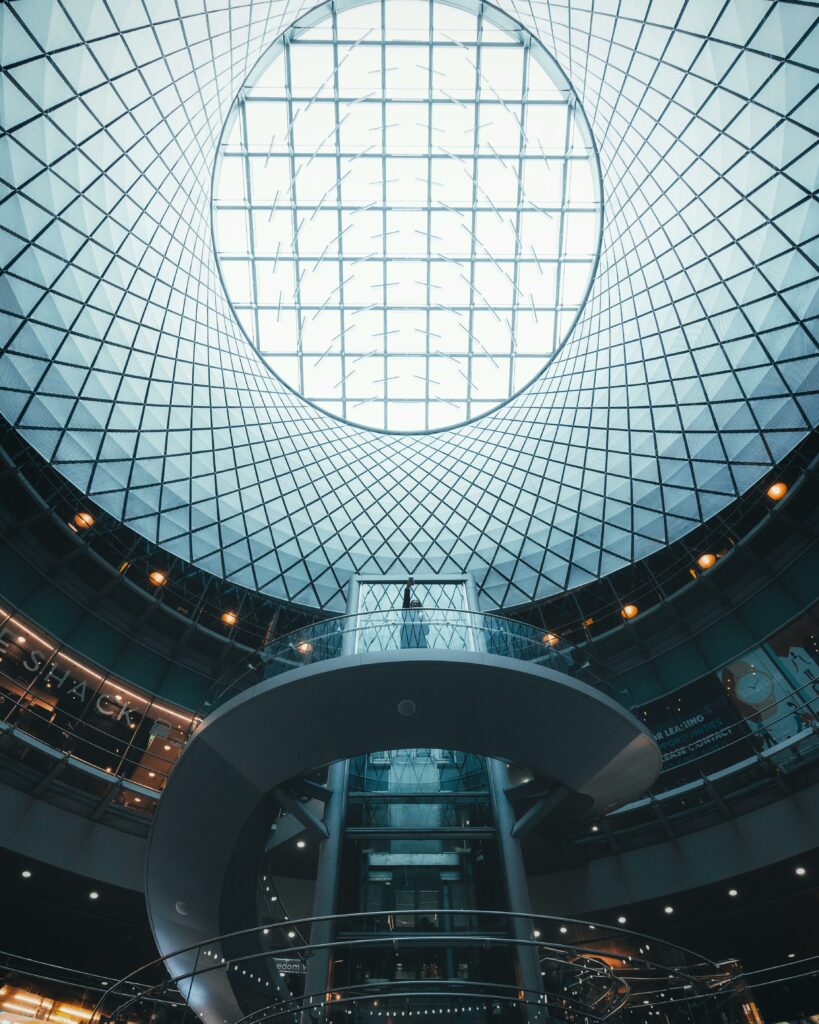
(407, 210)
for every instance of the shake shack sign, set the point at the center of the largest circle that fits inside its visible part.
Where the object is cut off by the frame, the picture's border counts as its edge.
(71, 689)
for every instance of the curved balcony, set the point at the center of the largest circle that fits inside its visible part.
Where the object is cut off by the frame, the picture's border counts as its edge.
(461, 964)
(414, 630)
(390, 680)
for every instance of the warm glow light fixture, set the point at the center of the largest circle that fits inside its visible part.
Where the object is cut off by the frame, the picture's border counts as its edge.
(157, 578)
(229, 618)
(83, 520)
(777, 491)
(629, 611)
(304, 647)
(552, 639)
(706, 561)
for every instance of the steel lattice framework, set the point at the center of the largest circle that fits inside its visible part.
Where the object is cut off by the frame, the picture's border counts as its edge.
(691, 371)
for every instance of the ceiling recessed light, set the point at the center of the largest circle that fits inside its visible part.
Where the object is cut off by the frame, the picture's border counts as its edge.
(668, 910)
(621, 920)
(301, 844)
(536, 933)
(291, 935)
(26, 873)
(733, 892)
(563, 930)
(93, 895)
(777, 491)
(801, 871)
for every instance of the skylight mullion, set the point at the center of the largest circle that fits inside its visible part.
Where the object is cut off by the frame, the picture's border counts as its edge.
(516, 265)
(384, 218)
(339, 217)
(428, 314)
(561, 231)
(288, 92)
(474, 221)
(249, 214)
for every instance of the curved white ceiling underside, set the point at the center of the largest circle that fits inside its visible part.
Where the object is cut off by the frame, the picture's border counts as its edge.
(692, 369)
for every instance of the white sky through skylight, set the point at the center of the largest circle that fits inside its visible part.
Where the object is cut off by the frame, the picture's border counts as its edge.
(407, 210)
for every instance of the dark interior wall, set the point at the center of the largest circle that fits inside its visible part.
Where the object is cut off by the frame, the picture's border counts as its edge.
(51, 917)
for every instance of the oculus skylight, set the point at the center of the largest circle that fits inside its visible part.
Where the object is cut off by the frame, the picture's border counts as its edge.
(692, 370)
(407, 210)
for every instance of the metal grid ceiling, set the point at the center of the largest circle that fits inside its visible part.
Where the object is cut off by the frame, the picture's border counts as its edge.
(692, 369)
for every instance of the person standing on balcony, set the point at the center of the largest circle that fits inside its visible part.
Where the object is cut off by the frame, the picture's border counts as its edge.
(414, 629)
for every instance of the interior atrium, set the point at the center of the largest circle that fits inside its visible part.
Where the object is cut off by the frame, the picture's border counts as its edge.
(409, 551)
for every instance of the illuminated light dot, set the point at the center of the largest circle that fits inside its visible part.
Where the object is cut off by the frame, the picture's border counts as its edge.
(801, 871)
(777, 491)
(706, 561)
(26, 873)
(304, 647)
(552, 639)
(93, 895)
(621, 920)
(229, 618)
(157, 578)
(668, 910)
(83, 520)
(629, 611)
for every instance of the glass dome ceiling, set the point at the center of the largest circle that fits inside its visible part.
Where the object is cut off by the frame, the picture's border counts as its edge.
(407, 210)
(692, 368)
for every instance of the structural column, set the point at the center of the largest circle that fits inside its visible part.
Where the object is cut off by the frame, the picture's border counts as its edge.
(325, 900)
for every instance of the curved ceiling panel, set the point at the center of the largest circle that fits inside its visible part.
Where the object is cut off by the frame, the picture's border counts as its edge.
(691, 370)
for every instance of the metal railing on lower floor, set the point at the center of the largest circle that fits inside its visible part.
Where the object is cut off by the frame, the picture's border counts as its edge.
(472, 966)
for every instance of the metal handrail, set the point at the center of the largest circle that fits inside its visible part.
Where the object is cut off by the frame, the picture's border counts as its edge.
(671, 967)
